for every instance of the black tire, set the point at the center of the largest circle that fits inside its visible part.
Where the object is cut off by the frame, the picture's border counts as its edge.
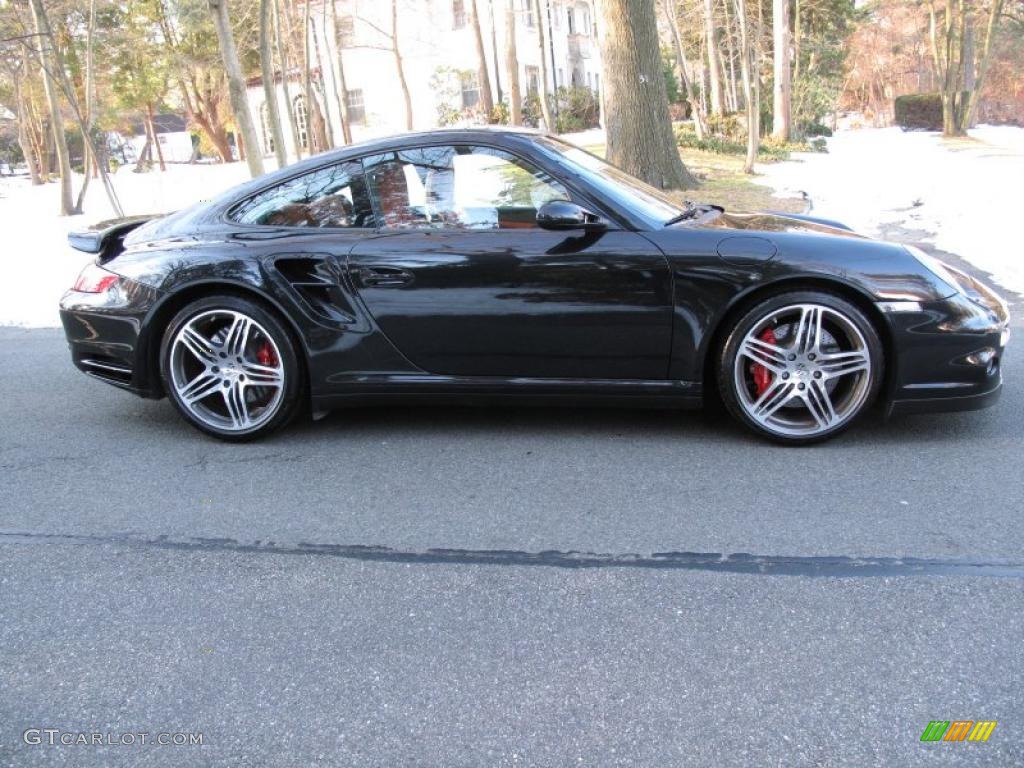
(727, 366)
(293, 387)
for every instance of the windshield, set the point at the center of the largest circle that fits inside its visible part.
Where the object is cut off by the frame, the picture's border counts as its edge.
(649, 203)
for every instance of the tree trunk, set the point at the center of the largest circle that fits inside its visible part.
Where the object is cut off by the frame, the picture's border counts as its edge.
(143, 161)
(236, 83)
(781, 56)
(23, 137)
(482, 73)
(717, 103)
(282, 60)
(979, 80)
(730, 54)
(339, 79)
(307, 89)
(498, 94)
(269, 86)
(400, 66)
(750, 88)
(515, 96)
(640, 139)
(322, 86)
(87, 156)
(545, 106)
(797, 38)
(49, 66)
(156, 139)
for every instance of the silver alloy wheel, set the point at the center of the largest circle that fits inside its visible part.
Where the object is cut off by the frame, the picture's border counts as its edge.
(217, 374)
(818, 373)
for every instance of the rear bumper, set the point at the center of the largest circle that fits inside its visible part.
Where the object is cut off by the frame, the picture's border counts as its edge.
(103, 335)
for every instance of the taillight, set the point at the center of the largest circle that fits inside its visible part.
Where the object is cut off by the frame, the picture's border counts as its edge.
(94, 279)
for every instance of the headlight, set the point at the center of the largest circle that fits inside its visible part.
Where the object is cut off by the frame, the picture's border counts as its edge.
(936, 267)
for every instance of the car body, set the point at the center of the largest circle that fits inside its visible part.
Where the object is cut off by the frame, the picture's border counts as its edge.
(539, 274)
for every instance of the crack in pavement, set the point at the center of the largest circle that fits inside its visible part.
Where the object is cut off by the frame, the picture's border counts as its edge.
(841, 566)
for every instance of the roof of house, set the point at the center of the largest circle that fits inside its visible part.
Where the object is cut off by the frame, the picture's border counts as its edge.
(164, 123)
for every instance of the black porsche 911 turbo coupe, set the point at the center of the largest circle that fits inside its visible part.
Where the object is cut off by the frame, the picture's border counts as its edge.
(487, 265)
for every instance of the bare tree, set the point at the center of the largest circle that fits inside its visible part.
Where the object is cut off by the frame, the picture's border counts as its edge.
(540, 13)
(87, 156)
(482, 74)
(995, 13)
(515, 97)
(960, 76)
(711, 33)
(781, 58)
(236, 84)
(400, 66)
(58, 78)
(640, 139)
(340, 83)
(696, 111)
(282, 59)
(269, 85)
(15, 67)
(48, 63)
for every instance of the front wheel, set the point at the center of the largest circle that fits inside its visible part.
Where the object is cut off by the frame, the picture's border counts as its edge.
(800, 367)
(230, 368)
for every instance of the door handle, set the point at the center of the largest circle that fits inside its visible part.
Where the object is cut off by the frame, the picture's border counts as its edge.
(384, 277)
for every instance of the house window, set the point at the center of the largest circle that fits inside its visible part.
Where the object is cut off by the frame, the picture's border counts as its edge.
(346, 31)
(532, 80)
(267, 134)
(301, 123)
(528, 13)
(470, 90)
(356, 107)
(556, 16)
(586, 21)
(570, 19)
(458, 14)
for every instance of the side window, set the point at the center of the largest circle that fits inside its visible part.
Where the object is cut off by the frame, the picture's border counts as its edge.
(335, 196)
(458, 187)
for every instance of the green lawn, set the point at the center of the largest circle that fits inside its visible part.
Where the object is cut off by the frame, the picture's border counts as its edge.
(724, 183)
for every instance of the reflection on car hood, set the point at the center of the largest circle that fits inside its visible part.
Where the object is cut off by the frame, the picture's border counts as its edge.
(780, 222)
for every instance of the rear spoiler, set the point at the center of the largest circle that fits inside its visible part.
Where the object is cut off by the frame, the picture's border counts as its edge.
(99, 236)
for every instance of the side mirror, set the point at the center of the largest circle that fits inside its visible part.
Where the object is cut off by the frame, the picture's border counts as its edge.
(562, 214)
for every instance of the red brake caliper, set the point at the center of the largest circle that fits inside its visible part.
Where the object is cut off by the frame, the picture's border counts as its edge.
(265, 355)
(762, 376)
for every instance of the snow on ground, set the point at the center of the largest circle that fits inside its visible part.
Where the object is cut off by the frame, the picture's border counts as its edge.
(38, 265)
(966, 196)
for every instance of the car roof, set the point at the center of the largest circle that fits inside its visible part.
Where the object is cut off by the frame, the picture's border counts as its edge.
(412, 137)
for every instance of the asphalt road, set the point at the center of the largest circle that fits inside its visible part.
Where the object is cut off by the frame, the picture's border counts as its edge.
(489, 588)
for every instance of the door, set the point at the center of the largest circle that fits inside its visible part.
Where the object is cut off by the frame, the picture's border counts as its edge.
(463, 282)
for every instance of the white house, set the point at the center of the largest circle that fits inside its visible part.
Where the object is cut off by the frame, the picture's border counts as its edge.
(439, 58)
(172, 134)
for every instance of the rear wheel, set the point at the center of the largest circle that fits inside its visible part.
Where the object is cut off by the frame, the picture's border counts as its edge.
(800, 367)
(230, 368)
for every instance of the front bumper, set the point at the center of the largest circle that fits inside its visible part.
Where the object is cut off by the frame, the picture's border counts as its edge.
(949, 353)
